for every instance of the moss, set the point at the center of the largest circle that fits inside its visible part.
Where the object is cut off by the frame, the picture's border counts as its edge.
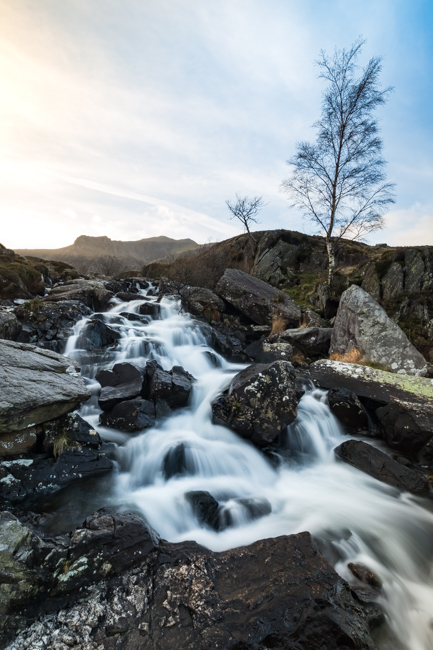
(308, 283)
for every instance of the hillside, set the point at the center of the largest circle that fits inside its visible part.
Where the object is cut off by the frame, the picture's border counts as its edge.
(399, 278)
(103, 255)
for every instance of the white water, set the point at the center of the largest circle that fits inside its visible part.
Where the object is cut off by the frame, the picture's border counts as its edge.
(357, 518)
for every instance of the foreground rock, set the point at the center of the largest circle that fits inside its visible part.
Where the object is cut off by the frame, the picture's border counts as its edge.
(314, 342)
(256, 299)
(347, 408)
(380, 466)
(275, 593)
(36, 385)
(259, 403)
(378, 385)
(405, 425)
(362, 324)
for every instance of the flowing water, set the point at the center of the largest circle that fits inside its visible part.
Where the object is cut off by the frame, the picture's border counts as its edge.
(354, 517)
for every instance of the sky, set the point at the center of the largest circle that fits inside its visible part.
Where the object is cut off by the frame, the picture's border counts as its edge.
(138, 118)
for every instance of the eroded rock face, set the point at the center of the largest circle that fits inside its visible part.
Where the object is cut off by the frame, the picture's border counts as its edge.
(36, 386)
(259, 403)
(393, 281)
(362, 324)
(406, 425)
(275, 593)
(380, 466)
(256, 299)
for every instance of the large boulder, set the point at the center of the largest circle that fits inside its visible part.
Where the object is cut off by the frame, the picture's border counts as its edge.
(378, 385)
(36, 385)
(406, 425)
(276, 593)
(202, 302)
(125, 381)
(380, 466)
(132, 415)
(257, 299)
(90, 292)
(97, 334)
(314, 342)
(259, 403)
(362, 324)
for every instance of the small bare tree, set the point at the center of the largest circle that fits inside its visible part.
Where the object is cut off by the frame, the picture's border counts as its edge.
(339, 181)
(246, 210)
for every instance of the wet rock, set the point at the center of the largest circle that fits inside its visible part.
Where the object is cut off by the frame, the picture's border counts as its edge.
(392, 281)
(251, 509)
(380, 466)
(311, 341)
(347, 408)
(259, 403)
(126, 296)
(18, 442)
(363, 325)
(364, 574)
(152, 309)
(90, 292)
(379, 386)
(36, 386)
(257, 299)
(181, 384)
(204, 507)
(159, 383)
(132, 415)
(406, 426)
(49, 324)
(69, 431)
(226, 342)
(97, 334)
(10, 327)
(172, 386)
(125, 381)
(267, 351)
(414, 270)
(176, 462)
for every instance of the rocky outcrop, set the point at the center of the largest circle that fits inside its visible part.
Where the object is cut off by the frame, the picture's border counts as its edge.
(406, 426)
(269, 350)
(36, 385)
(378, 385)
(90, 292)
(49, 325)
(392, 281)
(256, 299)
(276, 593)
(274, 260)
(259, 403)
(363, 325)
(380, 466)
(347, 408)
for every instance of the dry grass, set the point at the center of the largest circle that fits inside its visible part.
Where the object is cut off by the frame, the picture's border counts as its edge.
(61, 443)
(353, 356)
(278, 325)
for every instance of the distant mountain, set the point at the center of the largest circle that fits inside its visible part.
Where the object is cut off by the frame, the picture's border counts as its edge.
(103, 255)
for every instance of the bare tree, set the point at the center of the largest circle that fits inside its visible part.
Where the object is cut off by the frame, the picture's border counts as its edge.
(108, 265)
(339, 180)
(246, 210)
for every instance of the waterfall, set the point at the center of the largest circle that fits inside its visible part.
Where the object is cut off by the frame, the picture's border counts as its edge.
(353, 517)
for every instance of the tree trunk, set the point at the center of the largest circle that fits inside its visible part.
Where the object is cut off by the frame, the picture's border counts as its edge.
(331, 259)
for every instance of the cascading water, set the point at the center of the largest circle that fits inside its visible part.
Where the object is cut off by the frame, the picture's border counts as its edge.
(354, 517)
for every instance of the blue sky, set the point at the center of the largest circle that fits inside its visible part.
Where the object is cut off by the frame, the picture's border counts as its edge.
(137, 118)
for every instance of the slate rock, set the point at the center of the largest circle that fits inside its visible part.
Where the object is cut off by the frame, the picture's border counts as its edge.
(256, 299)
(392, 281)
(267, 350)
(259, 403)
(97, 334)
(362, 324)
(347, 408)
(415, 270)
(10, 327)
(36, 386)
(92, 293)
(312, 341)
(380, 466)
(132, 415)
(227, 342)
(406, 426)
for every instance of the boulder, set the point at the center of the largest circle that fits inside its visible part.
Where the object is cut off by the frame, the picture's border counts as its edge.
(312, 341)
(227, 342)
(311, 318)
(257, 299)
(273, 263)
(97, 334)
(181, 384)
(176, 462)
(126, 296)
(406, 426)
(203, 302)
(380, 466)
(36, 386)
(18, 442)
(275, 593)
(125, 381)
(69, 431)
(152, 309)
(49, 325)
(172, 386)
(392, 281)
(268, 350)
(10, 327)
(132, 415)
(90, 292)
(378, 385)
(259, 403)
(363, 325)
(347, 408)
(204, 507)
